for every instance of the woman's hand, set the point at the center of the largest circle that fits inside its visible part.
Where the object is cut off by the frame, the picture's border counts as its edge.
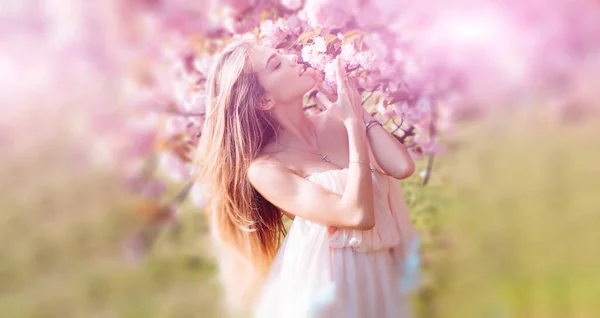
(348, 105)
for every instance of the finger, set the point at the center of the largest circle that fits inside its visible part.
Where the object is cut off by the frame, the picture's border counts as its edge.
(352, 90)
(356, 91)
(323, 100)
(351, 86)
(340, 74)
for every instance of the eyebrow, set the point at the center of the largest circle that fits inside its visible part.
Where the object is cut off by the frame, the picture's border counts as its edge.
(269, 60)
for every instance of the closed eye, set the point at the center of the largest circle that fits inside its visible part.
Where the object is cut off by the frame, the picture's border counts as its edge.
(277, 66)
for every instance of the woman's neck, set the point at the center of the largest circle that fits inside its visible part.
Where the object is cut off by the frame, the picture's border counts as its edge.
(295, 128)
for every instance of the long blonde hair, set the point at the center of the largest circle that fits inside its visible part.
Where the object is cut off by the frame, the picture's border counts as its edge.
(246, 228)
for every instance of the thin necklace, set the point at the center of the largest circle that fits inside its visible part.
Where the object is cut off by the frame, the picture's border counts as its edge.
(323, 156)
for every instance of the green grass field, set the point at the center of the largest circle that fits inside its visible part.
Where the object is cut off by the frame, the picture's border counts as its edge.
(509, 222)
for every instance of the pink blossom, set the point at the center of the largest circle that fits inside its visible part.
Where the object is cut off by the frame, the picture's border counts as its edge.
(387, 112)
(274, 33)
(182, 16)
(398, 54)
(376, 56)
(194, 103)
(403, 110)
(380, 107)
(369, 81)
(368, 16)
(375, 13)
(290, 25)
(270, 34)
(292, 4)
(174, 125)
(446, 115)
(329, 13)
(238, 26)
(393, 72)
(424, 106)
(202, 64)
(416, 113)
(349, 55)
(329, 81)
(187, 101)
(429, 145)
(199, 195)
(411, 70)
(142, 142)
(173, 167)
(319, 44)
(268, 28)
(153, 189)
(377, 45)
(366, 59)
(315, 53)
(193, 126)
(236, 7)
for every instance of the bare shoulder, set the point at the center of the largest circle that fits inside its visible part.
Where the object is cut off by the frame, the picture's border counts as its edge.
(276, 182)
(265, 168)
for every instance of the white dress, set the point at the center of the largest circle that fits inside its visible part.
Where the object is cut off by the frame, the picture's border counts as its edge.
(345, 273)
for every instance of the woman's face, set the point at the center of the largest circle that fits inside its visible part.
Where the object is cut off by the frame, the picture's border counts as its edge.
(282, 78)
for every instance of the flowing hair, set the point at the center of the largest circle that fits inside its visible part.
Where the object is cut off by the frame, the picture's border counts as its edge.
(246, 229)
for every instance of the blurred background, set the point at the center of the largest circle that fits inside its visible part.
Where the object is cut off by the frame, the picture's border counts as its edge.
(102, 107)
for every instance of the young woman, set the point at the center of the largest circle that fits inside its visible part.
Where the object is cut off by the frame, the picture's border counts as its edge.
(334, 174)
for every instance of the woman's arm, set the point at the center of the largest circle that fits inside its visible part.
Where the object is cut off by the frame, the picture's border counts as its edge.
(308, 200)
(359, 185)
(390, 155)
